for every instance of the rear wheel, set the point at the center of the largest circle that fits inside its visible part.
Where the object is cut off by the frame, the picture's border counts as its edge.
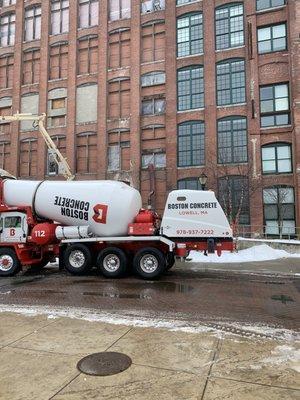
(149, 263)
(9, 262)
(77, 259)
(112, 262)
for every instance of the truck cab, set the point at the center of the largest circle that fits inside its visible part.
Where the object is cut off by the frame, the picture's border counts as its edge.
(13, 227)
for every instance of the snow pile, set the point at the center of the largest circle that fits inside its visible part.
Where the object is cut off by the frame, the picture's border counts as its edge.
(284, 356)
(256, 253)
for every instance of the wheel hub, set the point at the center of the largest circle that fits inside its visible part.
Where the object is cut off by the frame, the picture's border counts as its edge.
(6, 263)
(149, 263)
(77, 259)
(111, 263)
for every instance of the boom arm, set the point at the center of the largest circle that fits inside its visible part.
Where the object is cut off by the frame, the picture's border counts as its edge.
(39, 119)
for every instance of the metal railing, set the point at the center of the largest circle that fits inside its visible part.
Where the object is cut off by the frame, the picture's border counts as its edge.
(266, 232)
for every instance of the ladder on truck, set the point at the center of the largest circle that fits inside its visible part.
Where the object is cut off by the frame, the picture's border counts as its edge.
(38, 121)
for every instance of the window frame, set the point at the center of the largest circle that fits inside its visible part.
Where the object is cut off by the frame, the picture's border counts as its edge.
(276, 145)
(270, 6)
(153, 100)
(89, 48)
(35, 35)
(11, 29)
(6, 66)
(230, 32)
(120, 12)
(275, 113)
(153, 74)
(186, 180)
(271, 38)
(190, 27)
(230, 61)
(232, 147)
(60, 11)
(191, 94)
(32, 61)
(191, 152)
(89, 2)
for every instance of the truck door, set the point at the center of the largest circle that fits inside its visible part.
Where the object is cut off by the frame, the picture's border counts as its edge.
(13, 228)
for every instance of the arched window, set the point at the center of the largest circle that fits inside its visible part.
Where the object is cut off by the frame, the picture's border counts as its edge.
(229, 26)
(232, 140)
(190, 88)
(231, 82)
(58, 65)
(191, 144)
(87, 55)
(276, 158)
(189, 34)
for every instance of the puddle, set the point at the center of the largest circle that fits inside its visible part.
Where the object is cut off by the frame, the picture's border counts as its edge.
(20, 281)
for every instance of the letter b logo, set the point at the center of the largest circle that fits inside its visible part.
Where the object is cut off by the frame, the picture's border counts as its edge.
(100, 213)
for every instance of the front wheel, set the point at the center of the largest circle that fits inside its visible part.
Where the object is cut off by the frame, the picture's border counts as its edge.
(77, 259)
(149, 263)
(112, 262)
(9, 262)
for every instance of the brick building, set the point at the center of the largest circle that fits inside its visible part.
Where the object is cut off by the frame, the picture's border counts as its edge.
(185, 86)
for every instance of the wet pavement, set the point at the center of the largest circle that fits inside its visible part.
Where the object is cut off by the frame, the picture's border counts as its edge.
(204, 297)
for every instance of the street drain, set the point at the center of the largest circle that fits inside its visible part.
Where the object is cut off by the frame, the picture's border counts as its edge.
(103, 364)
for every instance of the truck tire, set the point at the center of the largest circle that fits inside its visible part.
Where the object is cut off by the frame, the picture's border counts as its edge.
(149, 263)
(112, 262)
(9, 262)
(77, 259)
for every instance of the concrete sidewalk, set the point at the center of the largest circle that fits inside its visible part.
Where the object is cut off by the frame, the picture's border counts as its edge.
(38, 358)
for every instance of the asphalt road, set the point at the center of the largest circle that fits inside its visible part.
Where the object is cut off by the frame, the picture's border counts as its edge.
(205, 297)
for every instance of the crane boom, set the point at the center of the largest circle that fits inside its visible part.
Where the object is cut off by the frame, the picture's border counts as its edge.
(39, 120)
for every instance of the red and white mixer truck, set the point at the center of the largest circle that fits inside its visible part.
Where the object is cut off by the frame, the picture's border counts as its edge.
(102, 224)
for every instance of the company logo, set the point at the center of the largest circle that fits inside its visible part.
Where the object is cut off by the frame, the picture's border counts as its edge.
(100, 213)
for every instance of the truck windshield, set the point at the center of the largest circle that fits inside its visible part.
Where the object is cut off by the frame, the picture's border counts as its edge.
(12, 222)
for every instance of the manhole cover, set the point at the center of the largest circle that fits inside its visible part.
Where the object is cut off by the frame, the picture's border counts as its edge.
(103, 364)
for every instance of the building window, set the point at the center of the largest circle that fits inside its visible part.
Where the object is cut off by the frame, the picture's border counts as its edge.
(153, 106)
(148, 6)
(157, 159)
(86, 161)
(279, 210)
(5, 3)
(59, 16)
(119, 9)
(119, 48)
(190, 88)
(88, 13)
(31, 66)
(7, 30)
(191, 144)
(57, 108)
(33, 23)
(229, 26)
(274, 105)
(87, 55)
(119, 98)
(189, 184)
(52, 166)
(58, 68)
(6, 71)
(28, 158)
(277, 158)
(231, 85)
(29, 105)
(271, 38)
(4, 154)
(264, 4)
(153, 42)
(86, 103)
(189, 35)
(5, 109)
(232, 140)
(114, 156)
(153, 78)
(234, 198)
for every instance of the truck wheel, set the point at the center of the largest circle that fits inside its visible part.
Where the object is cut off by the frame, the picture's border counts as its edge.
(149, 263)
(112, 262)
(170, 260)
(9, 263)
(77, 259)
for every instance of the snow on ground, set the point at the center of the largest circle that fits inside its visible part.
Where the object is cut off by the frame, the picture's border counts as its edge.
(256, 253)
(284, 356)
(220, 329)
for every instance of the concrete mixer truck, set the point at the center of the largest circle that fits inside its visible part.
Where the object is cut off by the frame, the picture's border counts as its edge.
(102, 224)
